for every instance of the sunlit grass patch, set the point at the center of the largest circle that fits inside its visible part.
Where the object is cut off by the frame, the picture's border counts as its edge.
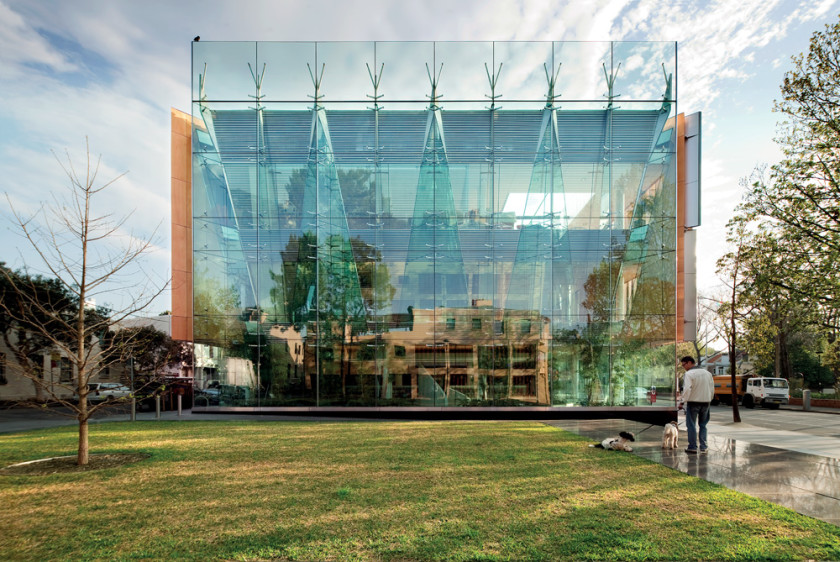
(259, 490)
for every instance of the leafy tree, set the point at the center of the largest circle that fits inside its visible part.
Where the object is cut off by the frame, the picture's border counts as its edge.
(803, 363)
(82, 250)
(802, 194)
(799, 203)
(154, 353)
(777, 316)
(19, 320)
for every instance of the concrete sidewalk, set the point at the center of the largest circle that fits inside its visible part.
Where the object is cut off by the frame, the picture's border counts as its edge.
(801, 472)
(817, 409)
(26, 419)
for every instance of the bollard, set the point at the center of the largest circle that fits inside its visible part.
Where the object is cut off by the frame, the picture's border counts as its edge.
(133, 408)
(157, 406)
(806, 400)
(179, 405)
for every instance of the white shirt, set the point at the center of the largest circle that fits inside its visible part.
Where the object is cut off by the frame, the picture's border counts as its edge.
(699, 385)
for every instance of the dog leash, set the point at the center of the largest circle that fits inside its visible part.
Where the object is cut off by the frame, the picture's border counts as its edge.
(651, 425)
(645, 429)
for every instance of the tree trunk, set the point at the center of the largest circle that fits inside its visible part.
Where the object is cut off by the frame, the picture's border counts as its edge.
(736, 415)
(84, 452)
(785, 368)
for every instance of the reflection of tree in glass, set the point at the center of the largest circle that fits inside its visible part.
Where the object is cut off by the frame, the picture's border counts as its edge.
(295, 188)
(339, 293)
(358, 189)
(298, 276)
(594, 337)
(651, 317)
(217, 313)
(346, 269)
(374, 277)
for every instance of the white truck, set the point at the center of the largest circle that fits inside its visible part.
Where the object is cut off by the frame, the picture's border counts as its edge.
(752, 391)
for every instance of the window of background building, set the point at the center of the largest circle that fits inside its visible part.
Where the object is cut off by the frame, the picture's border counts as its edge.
(3, 379)
(65, 373)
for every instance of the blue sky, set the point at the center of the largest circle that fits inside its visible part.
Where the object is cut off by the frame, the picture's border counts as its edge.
(111, 69)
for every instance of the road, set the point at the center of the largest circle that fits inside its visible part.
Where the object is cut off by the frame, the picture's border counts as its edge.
(816, 433)
(813, 423)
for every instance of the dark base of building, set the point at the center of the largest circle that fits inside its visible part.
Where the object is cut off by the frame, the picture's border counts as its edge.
(656, 416)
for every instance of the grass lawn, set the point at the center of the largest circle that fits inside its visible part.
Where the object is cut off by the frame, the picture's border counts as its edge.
(379, 491)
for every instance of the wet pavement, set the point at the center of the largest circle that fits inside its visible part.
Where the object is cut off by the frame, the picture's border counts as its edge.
(791, 458)
(796, 470)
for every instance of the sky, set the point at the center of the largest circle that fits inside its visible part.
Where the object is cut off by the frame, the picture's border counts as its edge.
(110, 70)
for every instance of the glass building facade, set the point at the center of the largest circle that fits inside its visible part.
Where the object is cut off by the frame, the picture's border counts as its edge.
(434, 224)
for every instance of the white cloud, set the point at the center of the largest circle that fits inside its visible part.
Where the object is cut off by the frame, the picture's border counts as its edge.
(723, 47)
(20, 44)
(812, 11)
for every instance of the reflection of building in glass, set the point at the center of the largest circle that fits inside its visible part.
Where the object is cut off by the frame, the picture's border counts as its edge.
(444, 357)
(346, 244)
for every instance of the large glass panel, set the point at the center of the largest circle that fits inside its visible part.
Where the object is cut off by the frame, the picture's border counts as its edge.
(523, 73)
(405, 76)
(345, 70)
(648, 70)
(463, 76)
(434, 251)
(585, 69)
(221, 70)
(284, 71)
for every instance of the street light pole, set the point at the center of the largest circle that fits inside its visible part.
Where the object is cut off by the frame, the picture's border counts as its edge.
(133, 396)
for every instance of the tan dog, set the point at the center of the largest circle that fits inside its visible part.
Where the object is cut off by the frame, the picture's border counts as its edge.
(670, 436)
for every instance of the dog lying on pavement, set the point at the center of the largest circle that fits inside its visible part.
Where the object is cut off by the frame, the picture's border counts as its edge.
(621, 443)
(670, 436)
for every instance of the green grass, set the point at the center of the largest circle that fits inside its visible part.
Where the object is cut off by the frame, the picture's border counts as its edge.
(379, 491)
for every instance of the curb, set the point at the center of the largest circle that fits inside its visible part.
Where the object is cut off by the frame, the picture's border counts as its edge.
(813, 410)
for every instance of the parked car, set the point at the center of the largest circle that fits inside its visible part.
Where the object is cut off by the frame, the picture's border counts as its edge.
(208, 396)
(102, 391)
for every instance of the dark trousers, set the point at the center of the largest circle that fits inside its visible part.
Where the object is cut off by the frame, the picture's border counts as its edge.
(696, 412)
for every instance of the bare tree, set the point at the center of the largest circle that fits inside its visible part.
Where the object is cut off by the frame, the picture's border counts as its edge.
(731, 267)
(707, 328)
(88, 253)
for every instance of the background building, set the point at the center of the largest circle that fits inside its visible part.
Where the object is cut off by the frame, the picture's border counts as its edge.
(370, 225)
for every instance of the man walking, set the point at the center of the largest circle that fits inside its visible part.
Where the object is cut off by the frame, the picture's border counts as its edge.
(698, 390)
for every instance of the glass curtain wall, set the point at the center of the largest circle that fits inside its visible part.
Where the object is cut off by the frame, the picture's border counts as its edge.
(435, 224)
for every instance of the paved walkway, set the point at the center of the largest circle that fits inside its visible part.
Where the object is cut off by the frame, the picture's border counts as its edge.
(26, 419)
(789, 468)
